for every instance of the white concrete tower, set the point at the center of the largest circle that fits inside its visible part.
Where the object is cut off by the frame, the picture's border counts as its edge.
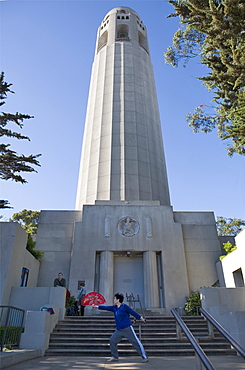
(122, 154)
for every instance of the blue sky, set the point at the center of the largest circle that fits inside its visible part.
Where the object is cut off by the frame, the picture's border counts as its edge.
(47, 50)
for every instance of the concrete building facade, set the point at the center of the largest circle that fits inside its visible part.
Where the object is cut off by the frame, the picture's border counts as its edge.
(124, 235)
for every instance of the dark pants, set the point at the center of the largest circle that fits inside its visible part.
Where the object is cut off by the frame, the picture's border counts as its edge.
(82, 310)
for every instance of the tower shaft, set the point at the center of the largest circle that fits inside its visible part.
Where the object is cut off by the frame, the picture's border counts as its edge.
(122, 154)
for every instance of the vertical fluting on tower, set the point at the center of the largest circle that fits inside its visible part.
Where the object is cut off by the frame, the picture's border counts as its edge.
(122, 154)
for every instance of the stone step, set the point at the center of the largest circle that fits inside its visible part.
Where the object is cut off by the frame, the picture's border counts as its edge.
(106, 331)
(112, 325)
(132, 352)
(166, 339)
(147, 344)
(148, 318)
(89, 336)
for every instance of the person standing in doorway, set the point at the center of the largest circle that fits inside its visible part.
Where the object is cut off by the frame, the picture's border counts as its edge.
(60, 281)
(124, 327)
(80, 296)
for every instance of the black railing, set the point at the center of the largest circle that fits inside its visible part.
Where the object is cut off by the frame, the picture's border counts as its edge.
(222, 331)
(11, 326)
(132, 301)
(193, 341)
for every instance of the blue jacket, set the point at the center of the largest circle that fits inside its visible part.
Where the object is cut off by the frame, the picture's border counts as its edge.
(121, 315)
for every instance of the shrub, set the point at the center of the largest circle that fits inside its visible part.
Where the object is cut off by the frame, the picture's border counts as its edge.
(193, 303)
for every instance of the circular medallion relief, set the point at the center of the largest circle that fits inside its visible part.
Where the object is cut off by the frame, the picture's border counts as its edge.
(128, 226)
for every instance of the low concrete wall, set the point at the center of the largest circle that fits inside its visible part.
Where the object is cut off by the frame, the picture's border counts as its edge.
(38, 326)
(227, 306)
(34, 298)
(15, 256)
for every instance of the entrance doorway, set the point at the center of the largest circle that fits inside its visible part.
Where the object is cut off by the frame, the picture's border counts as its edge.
(129, 275)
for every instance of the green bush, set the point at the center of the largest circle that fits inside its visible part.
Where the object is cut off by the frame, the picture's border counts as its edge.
(30, 246)
(11, 338)
(70, 303)
(193, 302)
(228, 247)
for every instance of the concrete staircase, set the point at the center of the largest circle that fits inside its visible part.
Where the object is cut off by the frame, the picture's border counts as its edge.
(89, 336)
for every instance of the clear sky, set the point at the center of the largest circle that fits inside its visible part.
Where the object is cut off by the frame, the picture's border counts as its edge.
(47, 50)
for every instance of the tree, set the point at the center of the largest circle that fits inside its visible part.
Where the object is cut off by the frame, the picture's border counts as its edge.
(29, 221)
(214, 30)
(4, 203)
(193, 303)
(11, 163)
(228, 247)
(229, 226)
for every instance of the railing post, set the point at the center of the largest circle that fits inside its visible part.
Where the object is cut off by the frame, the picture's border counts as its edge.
(193, 341)
(222, 330)
(140, 332)
(178, 331)
(210, 329)
(21, 326)
(197, 359)
(5, 329)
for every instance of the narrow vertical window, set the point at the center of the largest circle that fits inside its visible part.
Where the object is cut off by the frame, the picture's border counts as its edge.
(24, 277)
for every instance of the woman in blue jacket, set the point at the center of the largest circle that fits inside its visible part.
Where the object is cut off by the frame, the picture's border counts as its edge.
(123, 327)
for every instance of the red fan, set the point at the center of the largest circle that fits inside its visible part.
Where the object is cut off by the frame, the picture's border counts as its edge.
(93, 298)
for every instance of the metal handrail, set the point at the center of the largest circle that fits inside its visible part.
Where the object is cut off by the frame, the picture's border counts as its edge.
(131, 300)
(222, 331)
(198, 350)
(12, 319)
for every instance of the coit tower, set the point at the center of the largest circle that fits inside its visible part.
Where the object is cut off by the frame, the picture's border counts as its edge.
(122, 154)
(124, 235)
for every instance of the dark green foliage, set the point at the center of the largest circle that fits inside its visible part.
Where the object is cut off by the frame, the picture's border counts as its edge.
(12, 163)
(4, 204)
(30, 246)
(193, 302)
(70, 302)
(214, 31)
(229, 226)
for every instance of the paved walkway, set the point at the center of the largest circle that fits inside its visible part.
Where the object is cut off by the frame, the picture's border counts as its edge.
(126, 363)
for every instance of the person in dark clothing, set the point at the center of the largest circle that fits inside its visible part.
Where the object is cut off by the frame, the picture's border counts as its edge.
(60, 281)
(123, 327)
(80, 296)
